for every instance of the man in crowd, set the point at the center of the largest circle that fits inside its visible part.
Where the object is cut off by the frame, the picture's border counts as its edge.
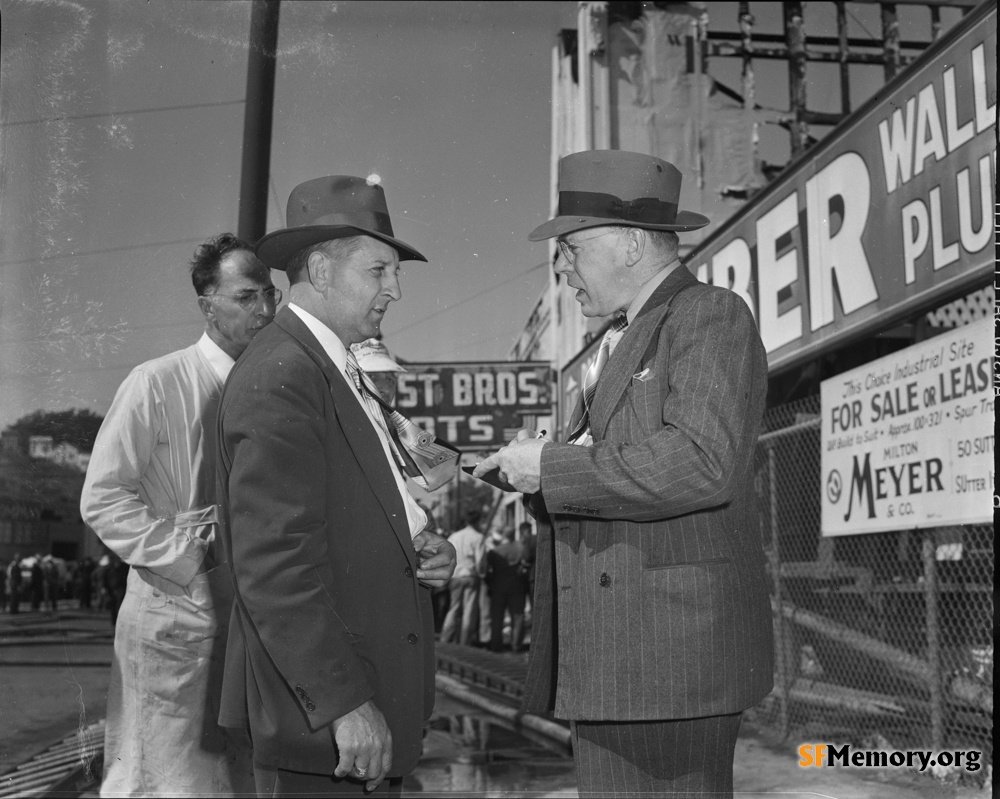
(462, 622)
(330, 658)
(376, 361)
(149, 495)
(507, 582)
(14, 582)
(652, 626)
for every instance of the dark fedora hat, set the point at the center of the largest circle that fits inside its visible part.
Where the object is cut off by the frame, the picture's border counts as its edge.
(331, 208)
(616, 187)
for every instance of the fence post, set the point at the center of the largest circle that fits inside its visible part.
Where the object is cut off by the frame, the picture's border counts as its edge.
(933, 639)
(780, 644)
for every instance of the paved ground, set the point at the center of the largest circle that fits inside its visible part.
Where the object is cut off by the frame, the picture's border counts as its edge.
(53, 680)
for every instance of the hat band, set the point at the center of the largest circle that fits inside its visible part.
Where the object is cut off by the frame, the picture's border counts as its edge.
(367, 220)
(645, 210)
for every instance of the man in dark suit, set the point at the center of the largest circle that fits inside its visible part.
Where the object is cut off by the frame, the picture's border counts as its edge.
(652, 627)
(330, 656)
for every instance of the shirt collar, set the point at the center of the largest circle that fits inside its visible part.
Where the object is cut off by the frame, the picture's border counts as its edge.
(217, 358)
(327, 339)
(648, 288)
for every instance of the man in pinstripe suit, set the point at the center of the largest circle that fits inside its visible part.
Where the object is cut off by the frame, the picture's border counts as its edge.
(652, 626)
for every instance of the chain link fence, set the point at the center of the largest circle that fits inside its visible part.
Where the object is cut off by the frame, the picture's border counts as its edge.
(884, 640)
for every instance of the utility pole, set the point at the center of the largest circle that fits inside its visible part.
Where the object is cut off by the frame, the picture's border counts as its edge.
(258, 114)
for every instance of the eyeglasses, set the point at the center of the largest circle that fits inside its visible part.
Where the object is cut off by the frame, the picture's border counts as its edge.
(568, 249)
(247, 300)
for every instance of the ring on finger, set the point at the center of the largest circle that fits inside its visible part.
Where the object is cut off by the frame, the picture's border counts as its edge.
(361, 772)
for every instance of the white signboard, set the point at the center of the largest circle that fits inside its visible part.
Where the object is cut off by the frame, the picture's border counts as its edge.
(908, 439)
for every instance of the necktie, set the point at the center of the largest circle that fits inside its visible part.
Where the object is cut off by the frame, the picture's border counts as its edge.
(418, 454)
(608, 343)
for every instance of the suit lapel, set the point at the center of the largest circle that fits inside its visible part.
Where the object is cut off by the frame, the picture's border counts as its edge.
(625, 360)
(357, 427)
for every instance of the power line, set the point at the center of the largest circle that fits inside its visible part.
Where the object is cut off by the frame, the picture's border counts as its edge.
(84, 253)
(99, 114)
(469, 298)
(123, 328)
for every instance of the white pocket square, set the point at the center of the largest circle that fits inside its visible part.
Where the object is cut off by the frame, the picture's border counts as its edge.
(641, 376)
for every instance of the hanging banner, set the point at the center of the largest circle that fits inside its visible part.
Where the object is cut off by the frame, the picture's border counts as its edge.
(475, 406)
(888, 216)
(908, 439)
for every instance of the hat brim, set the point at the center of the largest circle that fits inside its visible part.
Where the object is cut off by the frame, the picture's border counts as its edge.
(379, 363)
(277, 247)
(561, 225)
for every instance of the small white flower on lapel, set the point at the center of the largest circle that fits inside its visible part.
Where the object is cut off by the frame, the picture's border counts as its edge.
(642, 376)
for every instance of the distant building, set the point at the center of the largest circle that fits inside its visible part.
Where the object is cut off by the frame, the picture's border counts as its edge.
(63, 453)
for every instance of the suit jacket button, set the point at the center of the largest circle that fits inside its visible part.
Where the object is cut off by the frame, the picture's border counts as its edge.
(412, 638)
(408, 571)
(605, 581)
(310, 707)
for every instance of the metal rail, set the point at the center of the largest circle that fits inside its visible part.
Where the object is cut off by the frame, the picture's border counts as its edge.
(66, 768)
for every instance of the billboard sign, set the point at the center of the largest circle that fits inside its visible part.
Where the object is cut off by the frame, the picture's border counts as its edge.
(475, 406)
(890, 215)
(908, 439)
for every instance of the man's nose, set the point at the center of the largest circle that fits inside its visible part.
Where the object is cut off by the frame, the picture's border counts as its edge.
(391, 287)
(266, 305)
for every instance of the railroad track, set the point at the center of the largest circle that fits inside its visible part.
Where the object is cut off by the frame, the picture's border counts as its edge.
(67, 768)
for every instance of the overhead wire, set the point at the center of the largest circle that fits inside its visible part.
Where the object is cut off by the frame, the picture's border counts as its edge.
(128, 112)
(130, 328)
(468, 299)
(86, 253)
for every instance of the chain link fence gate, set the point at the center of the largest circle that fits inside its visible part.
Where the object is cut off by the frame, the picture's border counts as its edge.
(884, 640)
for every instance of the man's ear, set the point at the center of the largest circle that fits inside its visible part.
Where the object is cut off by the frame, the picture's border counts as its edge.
(635, 245)
(318, 269)
(207, 308)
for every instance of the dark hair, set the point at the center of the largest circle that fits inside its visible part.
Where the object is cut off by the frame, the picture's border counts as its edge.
(472, 517)
(208, 257)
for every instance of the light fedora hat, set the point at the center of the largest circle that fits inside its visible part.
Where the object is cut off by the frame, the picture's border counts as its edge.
(374, 356)
(617, 187)
(331, 208)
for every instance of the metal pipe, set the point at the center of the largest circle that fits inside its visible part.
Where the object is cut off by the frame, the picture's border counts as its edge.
(890, 40)
(781, 632)
(457, 690)
(845, 52)
(933, 639)
(795, 37)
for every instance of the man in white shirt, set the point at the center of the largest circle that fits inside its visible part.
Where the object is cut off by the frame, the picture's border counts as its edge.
(330, 657)
(462, 621)
(149, 495)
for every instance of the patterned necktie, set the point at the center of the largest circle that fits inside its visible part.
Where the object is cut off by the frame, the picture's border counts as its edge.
(608, 343)
(418, 454)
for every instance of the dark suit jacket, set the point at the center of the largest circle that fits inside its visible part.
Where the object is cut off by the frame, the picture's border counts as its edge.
(328, 612)
(660, 608)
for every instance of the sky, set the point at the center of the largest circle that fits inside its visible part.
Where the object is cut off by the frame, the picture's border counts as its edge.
(120, 141)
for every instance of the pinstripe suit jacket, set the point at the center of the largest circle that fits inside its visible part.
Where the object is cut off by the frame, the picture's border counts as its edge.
(650, 598)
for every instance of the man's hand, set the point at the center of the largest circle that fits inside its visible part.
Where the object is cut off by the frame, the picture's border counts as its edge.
(520, 463)
(436, 558)
(364, 744)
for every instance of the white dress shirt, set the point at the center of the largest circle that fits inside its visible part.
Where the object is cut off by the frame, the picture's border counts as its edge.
(334, 348)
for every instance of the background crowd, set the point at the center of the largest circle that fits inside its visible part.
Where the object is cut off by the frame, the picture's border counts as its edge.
(41, 582)
(487, 603)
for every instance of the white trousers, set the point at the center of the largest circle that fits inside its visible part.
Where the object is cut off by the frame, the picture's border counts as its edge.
(163, 737)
